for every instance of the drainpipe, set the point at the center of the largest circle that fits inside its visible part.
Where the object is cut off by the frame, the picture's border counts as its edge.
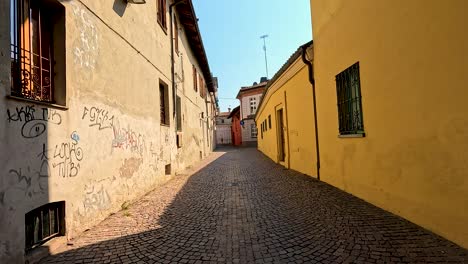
(174, 90)
(312, 82)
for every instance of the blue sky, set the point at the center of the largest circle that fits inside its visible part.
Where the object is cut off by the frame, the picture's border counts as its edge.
(231, 31)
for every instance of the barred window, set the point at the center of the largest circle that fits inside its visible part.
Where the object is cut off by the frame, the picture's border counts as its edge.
(348, 90)
(164, 103)
(179, 113)
(44, 223)
(37, 32)
(195, 86)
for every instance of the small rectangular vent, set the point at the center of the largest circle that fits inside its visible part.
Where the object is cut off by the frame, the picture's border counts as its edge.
(167, 169)
(179, 139)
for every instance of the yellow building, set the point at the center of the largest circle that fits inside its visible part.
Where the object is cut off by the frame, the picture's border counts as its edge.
(399, 136)
(285, 120)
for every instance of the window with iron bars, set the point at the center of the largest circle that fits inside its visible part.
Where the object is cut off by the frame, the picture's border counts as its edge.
(348, 90)
(37, 32)
(44, 223)
(164, 103)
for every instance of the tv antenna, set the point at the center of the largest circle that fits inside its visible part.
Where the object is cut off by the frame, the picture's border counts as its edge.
(265, 50)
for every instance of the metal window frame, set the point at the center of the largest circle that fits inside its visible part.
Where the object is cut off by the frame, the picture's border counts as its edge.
(32, 68)
(349, 101)
(164, 103)
(31, 225)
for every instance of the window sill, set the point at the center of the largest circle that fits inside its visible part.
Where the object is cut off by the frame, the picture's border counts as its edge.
(165, 125)
(51, 105)
(352, 135)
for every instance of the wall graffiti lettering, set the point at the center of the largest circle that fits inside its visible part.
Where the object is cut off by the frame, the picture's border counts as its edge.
(67, 158)
(98, 117)
(33, 180)
(96, 198)
(87, 48)
(126, 138)
(34, 121)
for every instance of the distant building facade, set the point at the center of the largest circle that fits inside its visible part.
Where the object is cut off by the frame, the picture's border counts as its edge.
(102, 103)
(249, 97)
(223, 128)
(236, 128)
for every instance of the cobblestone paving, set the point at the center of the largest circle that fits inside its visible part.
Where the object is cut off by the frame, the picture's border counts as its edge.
(243, 208)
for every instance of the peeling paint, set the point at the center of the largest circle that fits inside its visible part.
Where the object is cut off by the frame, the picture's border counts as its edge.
(130, 166)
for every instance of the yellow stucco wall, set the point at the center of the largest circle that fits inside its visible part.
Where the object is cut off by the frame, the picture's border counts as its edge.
(413, 63)
(293, 93)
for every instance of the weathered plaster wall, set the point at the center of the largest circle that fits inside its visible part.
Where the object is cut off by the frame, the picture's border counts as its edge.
(108, 147)
(413, 62)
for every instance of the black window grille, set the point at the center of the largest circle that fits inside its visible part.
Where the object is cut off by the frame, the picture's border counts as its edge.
(31, 50)
(44, 223)
(348, 90)
(179, 113)
(163, 103)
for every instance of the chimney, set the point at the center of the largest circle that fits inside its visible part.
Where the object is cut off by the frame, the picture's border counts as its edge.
(263, 79)
(229, 110)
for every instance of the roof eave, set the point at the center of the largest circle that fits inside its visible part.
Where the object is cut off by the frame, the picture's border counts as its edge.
(188, 19)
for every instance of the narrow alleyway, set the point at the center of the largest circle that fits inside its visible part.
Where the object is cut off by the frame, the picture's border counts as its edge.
(243, 208)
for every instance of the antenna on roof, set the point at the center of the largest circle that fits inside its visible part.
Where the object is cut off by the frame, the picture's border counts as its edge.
(265, 49)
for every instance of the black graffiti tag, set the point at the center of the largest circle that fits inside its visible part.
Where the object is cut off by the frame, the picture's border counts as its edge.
(34, 124)
(69, 156)
(98, 117)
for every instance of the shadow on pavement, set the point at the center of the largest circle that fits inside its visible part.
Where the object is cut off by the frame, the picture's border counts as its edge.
(243, 208)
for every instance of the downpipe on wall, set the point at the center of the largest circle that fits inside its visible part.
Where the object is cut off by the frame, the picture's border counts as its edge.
(174, 90)
(312, 82)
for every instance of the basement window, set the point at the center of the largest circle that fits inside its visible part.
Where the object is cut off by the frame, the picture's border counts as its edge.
(348, 90)
(37, 41)
(167, 169)
(44, 223)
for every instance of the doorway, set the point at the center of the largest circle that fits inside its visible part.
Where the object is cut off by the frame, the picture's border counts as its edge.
(280, 128)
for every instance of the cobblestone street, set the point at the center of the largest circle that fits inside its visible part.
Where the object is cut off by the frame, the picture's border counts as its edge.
(243, 208)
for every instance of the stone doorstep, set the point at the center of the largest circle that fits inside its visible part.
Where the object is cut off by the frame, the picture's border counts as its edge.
(51, 247)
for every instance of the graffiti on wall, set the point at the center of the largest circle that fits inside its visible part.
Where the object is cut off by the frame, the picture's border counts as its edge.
(98, 117)
(32, 180)
(34, 121)
(87, 49)
(127, 138)
(96, 198)
(67, 157)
